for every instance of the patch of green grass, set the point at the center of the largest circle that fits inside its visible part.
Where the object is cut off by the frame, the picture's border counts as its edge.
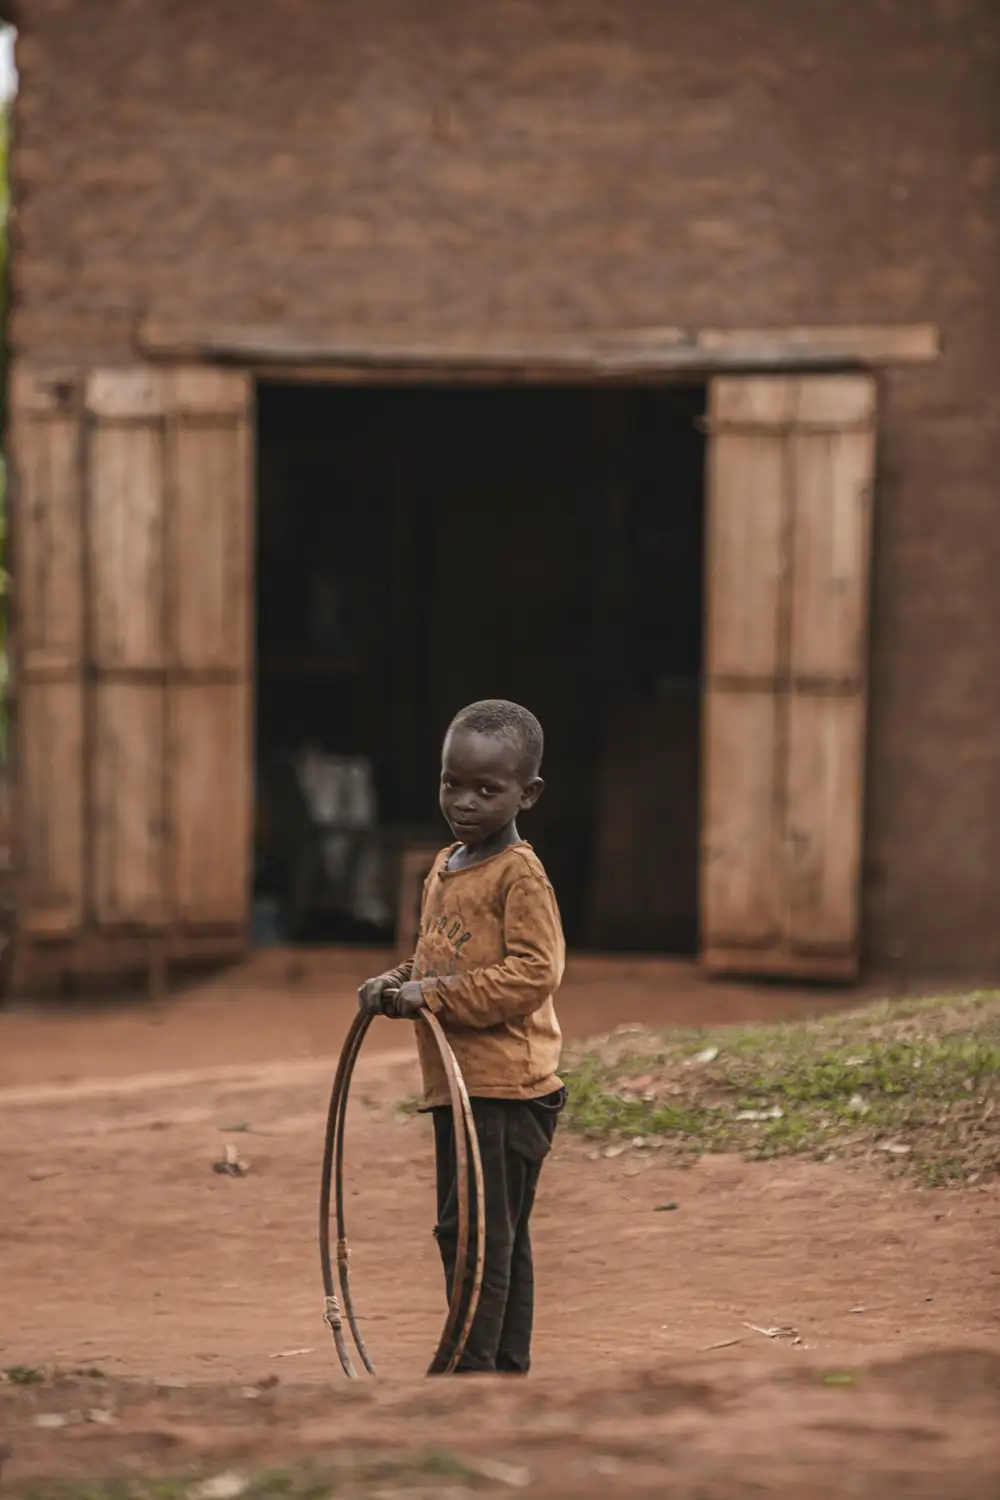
(353, 1475)
(36, 1375)
(109, 1489)
(914, 1083)
(414, 1469)
(24, 1375)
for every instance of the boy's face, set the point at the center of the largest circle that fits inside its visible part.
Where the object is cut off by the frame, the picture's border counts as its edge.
(482, 785)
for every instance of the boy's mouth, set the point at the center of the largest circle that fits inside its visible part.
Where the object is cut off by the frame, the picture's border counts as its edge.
(465, 825)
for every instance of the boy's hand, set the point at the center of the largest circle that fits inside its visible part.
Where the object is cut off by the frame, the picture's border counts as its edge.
(407, 1003)
(376, 995)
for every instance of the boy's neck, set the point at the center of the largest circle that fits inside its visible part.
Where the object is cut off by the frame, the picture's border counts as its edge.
(473, 854)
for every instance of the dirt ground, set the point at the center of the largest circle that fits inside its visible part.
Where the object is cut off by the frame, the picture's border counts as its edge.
(198, 1295)
(297, 1003)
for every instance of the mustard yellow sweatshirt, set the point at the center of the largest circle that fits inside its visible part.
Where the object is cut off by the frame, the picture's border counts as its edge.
(489, 959)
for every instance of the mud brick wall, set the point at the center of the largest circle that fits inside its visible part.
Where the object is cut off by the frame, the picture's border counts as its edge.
(568, 164)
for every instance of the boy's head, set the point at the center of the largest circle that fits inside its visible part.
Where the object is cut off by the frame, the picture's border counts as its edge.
(489, 768)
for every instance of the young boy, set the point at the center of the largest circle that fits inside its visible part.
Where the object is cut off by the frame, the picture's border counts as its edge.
(489, 959)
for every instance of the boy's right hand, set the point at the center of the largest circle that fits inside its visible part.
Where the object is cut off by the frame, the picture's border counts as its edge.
(375, 995)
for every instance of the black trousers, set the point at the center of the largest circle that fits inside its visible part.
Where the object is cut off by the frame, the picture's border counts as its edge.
(514, 1139)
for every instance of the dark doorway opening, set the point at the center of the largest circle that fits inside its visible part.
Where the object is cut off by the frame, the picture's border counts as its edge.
(422, 547)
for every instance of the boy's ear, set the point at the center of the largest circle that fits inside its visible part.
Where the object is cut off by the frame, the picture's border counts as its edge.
(530, 792)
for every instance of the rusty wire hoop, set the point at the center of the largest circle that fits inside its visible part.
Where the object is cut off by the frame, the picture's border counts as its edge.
(468, 1280)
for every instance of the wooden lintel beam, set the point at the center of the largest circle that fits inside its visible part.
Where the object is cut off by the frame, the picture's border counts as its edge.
(644, 351)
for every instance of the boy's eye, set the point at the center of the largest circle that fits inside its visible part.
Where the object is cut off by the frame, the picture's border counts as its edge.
(486, 791)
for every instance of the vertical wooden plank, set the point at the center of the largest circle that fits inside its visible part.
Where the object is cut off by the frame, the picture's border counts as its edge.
(833, 464)
(747, 523)
(45, 442)
(128, 856)
(49, 808)
(125, 553)
(48, 557)
(741, 868)
(209, 764)
(210, 520)
(211, 786)
(209, 605)
(832, 461)
(746, 563)
(126, 500)
(824, 822)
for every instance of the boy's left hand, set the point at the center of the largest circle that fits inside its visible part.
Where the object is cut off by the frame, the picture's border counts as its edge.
(408, 1001)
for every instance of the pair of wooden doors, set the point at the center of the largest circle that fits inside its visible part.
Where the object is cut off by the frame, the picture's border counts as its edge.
(132, 569)
(133, 521)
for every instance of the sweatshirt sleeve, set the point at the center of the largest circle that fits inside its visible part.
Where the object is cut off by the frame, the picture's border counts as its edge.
(529, 973)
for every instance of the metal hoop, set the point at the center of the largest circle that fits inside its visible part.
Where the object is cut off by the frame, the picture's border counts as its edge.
(468, 1279)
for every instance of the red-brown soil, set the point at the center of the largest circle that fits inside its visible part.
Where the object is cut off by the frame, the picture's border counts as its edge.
(121, 1249)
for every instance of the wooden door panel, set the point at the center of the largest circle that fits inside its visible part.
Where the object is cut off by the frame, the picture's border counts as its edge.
(832, 464)
(741, 889)
(49, 806)
(126, 554)
(747, 519)
(210, 748)
(754, 405)
(128, 836)
(133, 495)
(834, 403)
(824, 820)
(210, 802)
(790, 509)
(210, 544)
(170, 521)
(46, 448)
(49, 533)
(133, 394)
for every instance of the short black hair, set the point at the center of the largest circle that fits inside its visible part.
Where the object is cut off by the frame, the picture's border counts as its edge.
(507, 721)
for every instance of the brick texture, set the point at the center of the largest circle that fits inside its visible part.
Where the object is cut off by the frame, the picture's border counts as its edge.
(421, 165)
